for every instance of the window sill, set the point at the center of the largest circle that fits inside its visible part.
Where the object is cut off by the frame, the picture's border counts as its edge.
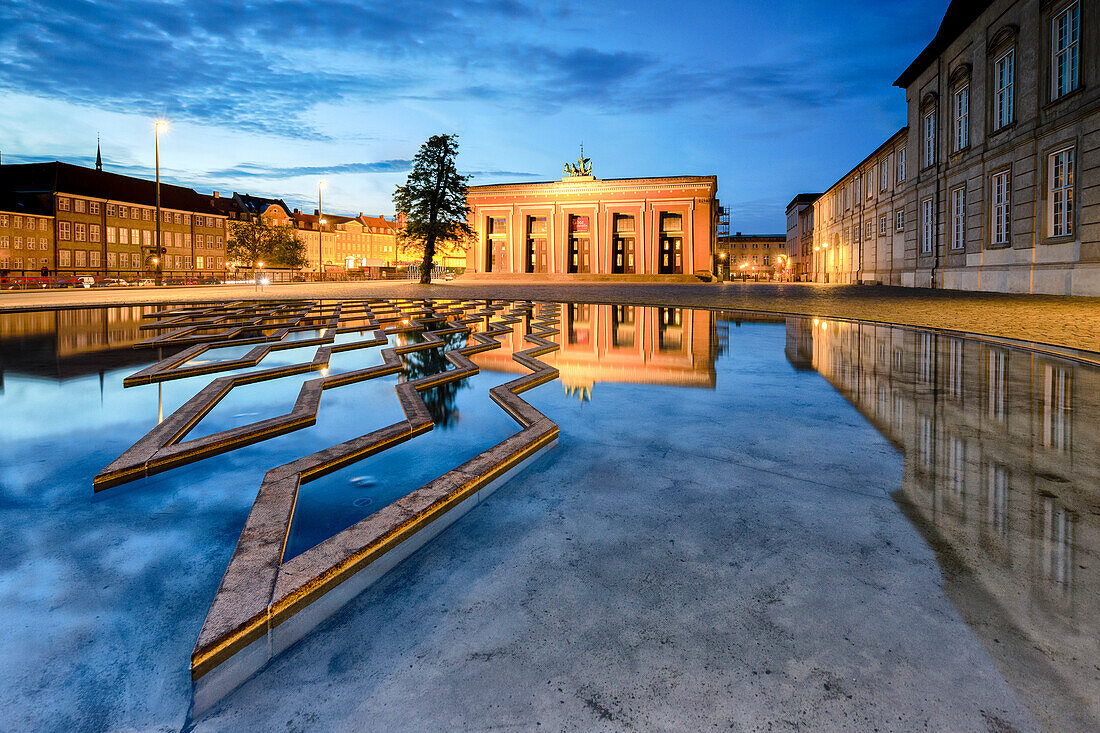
(1006, 245)
(1002, 129)
(1068, 95)
(1064, 239)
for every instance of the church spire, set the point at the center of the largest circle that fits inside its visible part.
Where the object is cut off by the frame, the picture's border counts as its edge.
(98, 156)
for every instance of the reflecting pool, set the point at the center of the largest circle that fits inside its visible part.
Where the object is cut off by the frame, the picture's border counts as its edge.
(746, 521)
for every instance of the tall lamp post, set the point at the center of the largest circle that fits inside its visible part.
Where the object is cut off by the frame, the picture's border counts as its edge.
(157, 259)
(321, 185)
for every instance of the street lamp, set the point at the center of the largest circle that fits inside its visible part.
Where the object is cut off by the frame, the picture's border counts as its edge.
(157, 127)
(321, 186)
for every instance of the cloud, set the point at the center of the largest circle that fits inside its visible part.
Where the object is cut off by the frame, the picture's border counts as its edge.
(259, 170)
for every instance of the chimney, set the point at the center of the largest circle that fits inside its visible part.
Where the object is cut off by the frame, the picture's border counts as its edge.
(383, 217)
(296, 211)
(739, 234)
(216, 194)
(316, 212)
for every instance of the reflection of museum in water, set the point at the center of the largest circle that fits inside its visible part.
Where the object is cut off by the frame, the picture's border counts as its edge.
(998, 476)
(623, 343)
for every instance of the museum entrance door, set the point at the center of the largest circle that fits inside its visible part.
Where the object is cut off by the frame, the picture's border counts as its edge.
(622, 256)
(579, 260)
(671, 257)
(536, 255)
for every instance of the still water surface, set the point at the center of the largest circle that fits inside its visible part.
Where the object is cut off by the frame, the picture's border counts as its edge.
(768, 510)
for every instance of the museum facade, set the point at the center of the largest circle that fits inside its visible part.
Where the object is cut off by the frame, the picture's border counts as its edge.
(583, 226)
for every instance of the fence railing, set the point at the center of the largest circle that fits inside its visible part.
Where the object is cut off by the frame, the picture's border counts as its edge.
(84, 278)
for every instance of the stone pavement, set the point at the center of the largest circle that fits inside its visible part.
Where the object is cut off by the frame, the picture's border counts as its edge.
(1072, 322)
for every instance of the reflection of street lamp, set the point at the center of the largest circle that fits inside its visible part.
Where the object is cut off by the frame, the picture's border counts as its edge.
(157, 127)
(321, 186)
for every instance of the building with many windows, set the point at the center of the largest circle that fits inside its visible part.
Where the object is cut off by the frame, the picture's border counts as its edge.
(26, 233)
(583, 226)
(752, 256)
(105, 223)
(989, 186)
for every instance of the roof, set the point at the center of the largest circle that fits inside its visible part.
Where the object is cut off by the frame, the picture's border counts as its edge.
(739, 237)
(803, 198)
(711, 180)
(58, 177)
(959, 16)
(378, 221)
(32, 204)
(258, 204)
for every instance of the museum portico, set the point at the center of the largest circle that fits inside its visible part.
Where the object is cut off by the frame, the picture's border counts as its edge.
(582, 225)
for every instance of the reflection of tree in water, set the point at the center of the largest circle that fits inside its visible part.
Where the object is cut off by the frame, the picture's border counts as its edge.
(440, 400)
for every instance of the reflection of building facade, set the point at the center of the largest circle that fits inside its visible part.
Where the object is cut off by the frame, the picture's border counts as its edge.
(625, 344)
(71, 343)
(988, 186)
(1000, 475)
(586, 226)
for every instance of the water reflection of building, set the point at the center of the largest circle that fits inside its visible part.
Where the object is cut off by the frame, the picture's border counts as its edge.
(1002, 469)
(623, 343)
(70, 343)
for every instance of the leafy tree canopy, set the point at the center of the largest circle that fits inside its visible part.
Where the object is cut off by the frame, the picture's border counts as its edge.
(433, 200)
(255, 240)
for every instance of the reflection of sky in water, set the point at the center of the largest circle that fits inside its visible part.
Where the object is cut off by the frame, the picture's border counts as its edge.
(338, 500)
(102, 596)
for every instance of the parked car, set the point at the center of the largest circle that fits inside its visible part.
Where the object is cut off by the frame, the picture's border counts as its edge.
(449, 276)
(146, 282)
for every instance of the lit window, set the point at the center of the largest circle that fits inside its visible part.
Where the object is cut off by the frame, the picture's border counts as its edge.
(81, 232)
(78, 206)
(1003, 74)
(64, 230)
(962, 118)
(1065, 42)
(64, 258)
(93, 207)
(1001, 198)
(63, 204)
(1060, 198)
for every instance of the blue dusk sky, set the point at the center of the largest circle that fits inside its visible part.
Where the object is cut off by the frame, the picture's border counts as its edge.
(268, 96)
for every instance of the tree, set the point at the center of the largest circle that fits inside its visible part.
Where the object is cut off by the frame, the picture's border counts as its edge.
(433, 200)
(253, 240)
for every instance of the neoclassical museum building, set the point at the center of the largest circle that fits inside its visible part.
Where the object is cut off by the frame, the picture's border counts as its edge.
(581, 226)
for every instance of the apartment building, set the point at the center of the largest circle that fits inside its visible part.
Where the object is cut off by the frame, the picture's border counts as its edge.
(991, 184)
(105, 223)
(752, 256)
(26, 234)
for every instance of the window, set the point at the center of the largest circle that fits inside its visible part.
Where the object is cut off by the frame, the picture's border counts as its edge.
(962, 117)
(929, 129)
(179, 239)
(62, 204)
(18, 263)
(3, 220)
(93, 232)
(870, 233)
(19, 243)
(883, 225)
(112, 210)
(1060, 197)
(64, 258)
(135, 213)
(179, 218)
(63, 230)
(199, 261)
(884, 174)
(93, 207)
(958, 217)
(1065, 37)
(78, 206)
(122, 211)
(927, 224)
(93, 258)
(123, 235)
(1003, 73)
(767, 260)
(43, 225)
(4, 242)
(112, 260)
(111, 235)
(899, 220)
(146, 214)
(1001, 198)
(901, 165)
(187, 219)
(81, 232)
(17, 222)
(124, 259)
(220, 246)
